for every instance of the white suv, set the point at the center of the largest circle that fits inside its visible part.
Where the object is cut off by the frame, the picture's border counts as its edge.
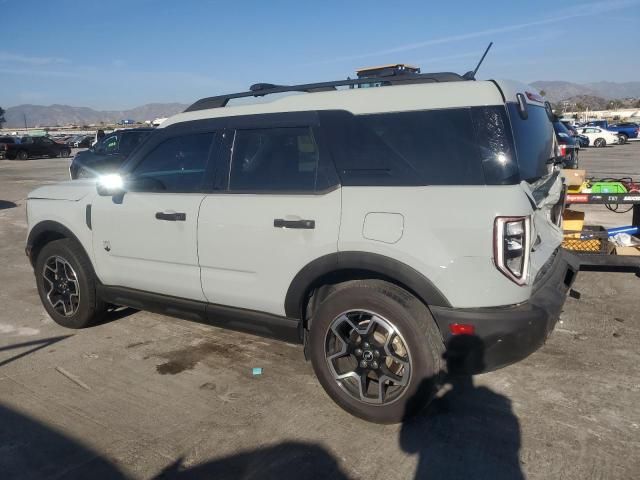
(387, 229)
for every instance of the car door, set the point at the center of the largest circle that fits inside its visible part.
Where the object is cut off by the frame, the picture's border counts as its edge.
(104, 154)
(146, 239)
(279, 211)
(47, 147)
(35, 148)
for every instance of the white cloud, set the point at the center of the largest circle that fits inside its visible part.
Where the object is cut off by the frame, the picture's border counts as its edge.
(8, 57)
(584, 10)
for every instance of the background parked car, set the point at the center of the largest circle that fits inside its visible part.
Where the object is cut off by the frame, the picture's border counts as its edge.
(4, 141)
(599, 137)
(84, 142)
(625, 131)
(567, 144)
(109, 154)
(36, 147)
(581, 140)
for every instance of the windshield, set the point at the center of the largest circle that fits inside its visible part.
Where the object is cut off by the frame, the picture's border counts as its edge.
(533, 138)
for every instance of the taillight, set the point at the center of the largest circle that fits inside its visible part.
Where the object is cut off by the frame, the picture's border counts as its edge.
(511, 243)
(563, 150)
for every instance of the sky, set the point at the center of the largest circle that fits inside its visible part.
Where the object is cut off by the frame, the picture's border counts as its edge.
(119, 54)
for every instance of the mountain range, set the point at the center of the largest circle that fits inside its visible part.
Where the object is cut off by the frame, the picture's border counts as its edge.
(58, 115)
(556, 91)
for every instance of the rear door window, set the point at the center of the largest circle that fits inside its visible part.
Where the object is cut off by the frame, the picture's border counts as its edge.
(275, 159)
(533, 138)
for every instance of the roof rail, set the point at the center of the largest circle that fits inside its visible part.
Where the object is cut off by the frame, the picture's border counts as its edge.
(262, 89)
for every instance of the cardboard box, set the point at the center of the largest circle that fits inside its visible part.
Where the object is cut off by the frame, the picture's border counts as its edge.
(573, 177)
(628, 250)
(572, 221)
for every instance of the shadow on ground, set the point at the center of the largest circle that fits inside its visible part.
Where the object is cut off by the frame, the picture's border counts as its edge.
(468, 432)
(4, 204)
(32, 346)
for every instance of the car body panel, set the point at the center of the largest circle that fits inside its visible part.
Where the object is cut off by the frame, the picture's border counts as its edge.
(248, 262)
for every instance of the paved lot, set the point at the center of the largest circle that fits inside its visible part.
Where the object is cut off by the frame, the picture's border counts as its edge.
(145, 395)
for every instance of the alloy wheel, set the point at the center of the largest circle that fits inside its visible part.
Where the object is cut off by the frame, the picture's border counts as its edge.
(368, 357)
(63, 288)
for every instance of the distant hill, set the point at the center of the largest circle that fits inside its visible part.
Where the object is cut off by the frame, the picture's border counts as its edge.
(591, 102)
(59, 115)
(559, 90)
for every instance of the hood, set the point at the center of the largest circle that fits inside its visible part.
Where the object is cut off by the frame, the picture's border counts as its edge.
(72, 190)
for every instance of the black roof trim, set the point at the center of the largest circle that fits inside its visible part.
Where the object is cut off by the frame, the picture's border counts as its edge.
(262, 89)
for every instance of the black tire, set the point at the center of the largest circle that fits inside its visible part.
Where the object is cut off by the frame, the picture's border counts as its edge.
(90, 308)
(417, 329)
(624, 138)
(22, 155)
(576, 163)
(599, 142)
(65, 153)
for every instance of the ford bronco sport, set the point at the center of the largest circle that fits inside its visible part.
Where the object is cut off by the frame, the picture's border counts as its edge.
(374, 225)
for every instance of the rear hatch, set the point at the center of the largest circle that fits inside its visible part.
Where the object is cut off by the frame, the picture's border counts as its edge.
(536, 152)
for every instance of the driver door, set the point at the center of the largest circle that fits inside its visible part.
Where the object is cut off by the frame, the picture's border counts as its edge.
(146, 239)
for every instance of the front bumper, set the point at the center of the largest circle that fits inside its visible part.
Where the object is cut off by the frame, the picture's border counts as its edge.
(504, 335)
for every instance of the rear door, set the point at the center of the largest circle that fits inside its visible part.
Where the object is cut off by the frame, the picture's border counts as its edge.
(146, 239)
(278, 210)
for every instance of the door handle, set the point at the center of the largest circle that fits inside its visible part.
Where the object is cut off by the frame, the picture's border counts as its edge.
(304, 224)
(171, 216)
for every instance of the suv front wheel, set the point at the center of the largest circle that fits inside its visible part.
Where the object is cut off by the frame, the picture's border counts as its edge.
(67, 286)
(375, 349)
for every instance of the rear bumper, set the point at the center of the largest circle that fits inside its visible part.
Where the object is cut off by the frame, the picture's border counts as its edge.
(504, 335)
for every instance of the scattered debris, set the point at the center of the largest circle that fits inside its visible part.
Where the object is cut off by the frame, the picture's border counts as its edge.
(257, 371)
(618, 319)
(73, 378)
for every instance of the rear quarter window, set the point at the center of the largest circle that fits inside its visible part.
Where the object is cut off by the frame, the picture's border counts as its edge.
(533, 139)
(457, 146)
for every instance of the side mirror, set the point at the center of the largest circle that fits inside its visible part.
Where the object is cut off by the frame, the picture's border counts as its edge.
(110, 185)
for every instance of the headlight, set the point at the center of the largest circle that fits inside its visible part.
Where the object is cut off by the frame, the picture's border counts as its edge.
(511, 244)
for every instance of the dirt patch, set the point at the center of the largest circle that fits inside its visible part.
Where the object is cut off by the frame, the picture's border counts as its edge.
(187, 358)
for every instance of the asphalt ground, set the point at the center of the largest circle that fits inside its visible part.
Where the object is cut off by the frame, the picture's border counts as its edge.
(144, 395)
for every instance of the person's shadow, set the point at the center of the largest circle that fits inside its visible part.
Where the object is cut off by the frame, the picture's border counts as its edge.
(469, 432)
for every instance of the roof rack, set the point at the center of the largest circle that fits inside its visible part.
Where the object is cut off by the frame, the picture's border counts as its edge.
(262, 89)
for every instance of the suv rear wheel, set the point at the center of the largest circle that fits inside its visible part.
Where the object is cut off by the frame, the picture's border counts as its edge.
(375, 348)
(67, 286)
(22, 155)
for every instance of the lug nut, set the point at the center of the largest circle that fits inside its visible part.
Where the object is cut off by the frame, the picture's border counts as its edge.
(365, 345)
(374, 365)
(358, 352)
(376, 353)
(363, 364)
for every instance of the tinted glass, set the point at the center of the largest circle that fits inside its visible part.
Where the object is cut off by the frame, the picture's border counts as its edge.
(533, 139)
(274, 159)
(109, 144)
(438, 144)
(130, 140)
(176, 165)
(462, 146)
